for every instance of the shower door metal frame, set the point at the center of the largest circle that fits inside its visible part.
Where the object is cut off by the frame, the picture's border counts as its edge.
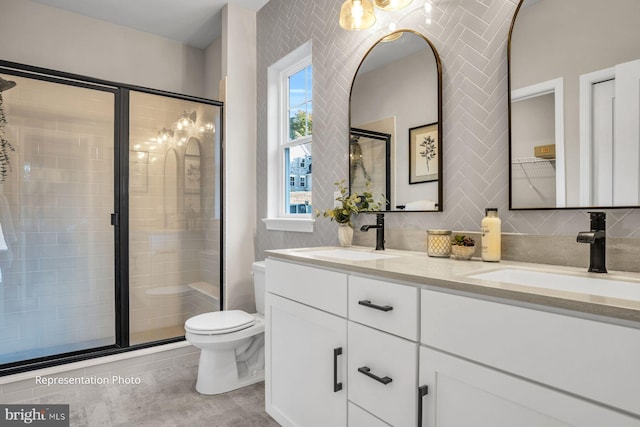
(120, 215)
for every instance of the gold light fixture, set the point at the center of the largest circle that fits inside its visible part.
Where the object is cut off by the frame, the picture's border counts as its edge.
(357, 15)
(390, 5)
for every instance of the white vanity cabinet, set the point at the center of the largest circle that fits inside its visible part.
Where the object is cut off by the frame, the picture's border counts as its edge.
(489, 364)
(344, 349)
(305, 346)
(340, 349)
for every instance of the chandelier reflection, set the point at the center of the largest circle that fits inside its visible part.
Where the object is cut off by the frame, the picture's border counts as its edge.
(164, 136)
(186, 121)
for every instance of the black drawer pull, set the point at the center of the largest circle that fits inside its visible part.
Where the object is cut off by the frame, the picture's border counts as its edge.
(367, 303)
(365, 370)
(422, 392)
(336, 385)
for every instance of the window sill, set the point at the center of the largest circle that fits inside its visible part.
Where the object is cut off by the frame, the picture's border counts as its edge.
(298, 225)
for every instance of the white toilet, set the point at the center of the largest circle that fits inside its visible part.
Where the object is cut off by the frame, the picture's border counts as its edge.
(231, 343)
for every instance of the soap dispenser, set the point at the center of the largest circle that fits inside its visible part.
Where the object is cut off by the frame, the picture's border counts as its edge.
(491, 235)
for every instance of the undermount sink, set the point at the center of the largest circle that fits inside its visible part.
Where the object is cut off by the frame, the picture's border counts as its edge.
(585, 285)
(350, 255)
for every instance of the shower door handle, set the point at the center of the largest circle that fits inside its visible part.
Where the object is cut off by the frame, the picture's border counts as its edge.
(336, 385)
(115, 219)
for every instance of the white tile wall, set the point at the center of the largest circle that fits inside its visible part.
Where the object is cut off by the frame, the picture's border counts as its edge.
(54, 210)
(168, 252)
(58, 275)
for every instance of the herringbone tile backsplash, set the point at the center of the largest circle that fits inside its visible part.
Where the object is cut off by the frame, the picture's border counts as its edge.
(471, 38)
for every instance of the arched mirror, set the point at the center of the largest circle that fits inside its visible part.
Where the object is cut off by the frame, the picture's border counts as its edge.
(396, 123)
(574, 80)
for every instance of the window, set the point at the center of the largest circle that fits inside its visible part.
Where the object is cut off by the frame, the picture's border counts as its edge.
(290, 121)
(296, 148)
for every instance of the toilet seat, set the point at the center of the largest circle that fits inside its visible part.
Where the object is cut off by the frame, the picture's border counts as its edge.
(219, 322)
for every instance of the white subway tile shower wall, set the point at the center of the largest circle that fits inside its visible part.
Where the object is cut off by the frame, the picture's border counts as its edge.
(471, 38)
(57, 281)
(166, 249)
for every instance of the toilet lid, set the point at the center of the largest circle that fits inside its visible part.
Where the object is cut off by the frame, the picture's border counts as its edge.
(220, 321)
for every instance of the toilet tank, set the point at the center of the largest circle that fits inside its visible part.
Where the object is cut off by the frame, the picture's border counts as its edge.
(257, 269)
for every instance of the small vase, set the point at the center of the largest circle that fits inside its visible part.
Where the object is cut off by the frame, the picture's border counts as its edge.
(462, 252)
(345, 235)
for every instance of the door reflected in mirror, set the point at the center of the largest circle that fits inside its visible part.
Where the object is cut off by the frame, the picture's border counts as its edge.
(370, 162)
(396, 124)
(574, 77)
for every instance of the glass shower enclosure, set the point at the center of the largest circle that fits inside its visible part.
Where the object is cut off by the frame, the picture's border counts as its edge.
(174, 214)
(110, 216)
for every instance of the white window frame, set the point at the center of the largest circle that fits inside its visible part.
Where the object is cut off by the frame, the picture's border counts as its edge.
(277, 132)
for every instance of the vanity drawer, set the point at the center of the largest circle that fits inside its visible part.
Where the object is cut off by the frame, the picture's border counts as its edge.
(588, 358)
(323, 289)
(386, 306)
(358, 417)
(386, 357)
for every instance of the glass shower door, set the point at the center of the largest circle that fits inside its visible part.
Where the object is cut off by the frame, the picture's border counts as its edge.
(174, 214)
(57, 243)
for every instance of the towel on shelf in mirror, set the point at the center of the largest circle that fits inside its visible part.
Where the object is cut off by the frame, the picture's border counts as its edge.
(421, 205)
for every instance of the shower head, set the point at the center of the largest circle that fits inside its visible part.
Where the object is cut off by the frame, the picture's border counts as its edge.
(6, 84)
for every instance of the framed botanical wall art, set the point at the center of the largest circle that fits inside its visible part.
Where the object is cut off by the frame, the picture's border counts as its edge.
(423, 153)
(191, 174)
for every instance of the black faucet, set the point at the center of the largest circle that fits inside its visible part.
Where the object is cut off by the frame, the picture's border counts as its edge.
(379, 231)
(597, 239)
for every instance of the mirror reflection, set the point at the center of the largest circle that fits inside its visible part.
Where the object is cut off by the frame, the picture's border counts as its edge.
(395, 120)
(574, 72)
(369, 164)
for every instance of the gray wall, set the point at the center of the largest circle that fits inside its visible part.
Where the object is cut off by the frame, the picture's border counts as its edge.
(471, 37)
(35, 34)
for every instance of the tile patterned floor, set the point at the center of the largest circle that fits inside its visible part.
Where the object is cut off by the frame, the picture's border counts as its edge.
(165, 397)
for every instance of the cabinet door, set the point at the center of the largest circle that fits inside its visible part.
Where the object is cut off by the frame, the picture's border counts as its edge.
(596, 360)
(462, 393)
(305, 361)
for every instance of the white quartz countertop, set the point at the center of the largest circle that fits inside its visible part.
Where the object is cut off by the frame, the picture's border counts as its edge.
(448, 273)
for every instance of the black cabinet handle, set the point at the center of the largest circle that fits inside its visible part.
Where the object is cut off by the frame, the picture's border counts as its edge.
(422, 392)
(336, 385)
(365, 370)
(368, 303)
